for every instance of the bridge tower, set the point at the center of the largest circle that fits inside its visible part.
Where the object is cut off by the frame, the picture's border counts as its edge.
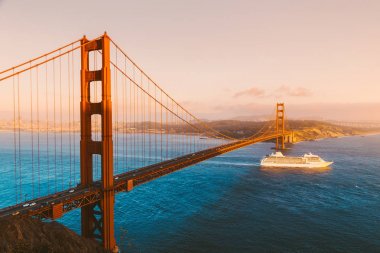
(97, 219)
(280, 125)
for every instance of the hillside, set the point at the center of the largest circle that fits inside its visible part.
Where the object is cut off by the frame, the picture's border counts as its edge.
(312, 130)
(305, 130)
(28, 235)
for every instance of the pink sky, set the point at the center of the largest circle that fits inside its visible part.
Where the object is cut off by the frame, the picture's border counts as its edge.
(224, 59)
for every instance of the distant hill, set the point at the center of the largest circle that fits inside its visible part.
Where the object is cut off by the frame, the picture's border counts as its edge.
(304, 129)
(312, 130)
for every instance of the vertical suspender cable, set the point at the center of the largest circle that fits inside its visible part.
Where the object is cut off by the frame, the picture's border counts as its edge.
(161, 125)
(69, 108)
(19, 136)
(130, 124)
(149, 119)
(38, 134)
(172, 143)
(60, 113)
(177, 130)
(155, 124)
(14, 139)
(194, 134)
(31, 128)
(134, 119)
(182, 132)
(116, 114)
(55, 130)
(166, 129)
(188, 134)
(124, 122)
(47, 127)
(73, 113)
(142, 102)
(139, 126)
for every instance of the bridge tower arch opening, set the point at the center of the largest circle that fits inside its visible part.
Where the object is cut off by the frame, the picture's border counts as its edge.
(97, 219)
(280, 126)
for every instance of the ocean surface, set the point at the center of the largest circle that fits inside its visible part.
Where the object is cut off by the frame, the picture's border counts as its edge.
(231, 204)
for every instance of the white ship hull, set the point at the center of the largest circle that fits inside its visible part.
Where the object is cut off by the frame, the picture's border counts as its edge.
(291, 165)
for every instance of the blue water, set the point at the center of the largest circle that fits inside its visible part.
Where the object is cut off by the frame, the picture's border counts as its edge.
(37, 164)
(230, 204)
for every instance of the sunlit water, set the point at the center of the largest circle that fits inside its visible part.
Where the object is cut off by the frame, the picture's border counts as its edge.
(230, 204)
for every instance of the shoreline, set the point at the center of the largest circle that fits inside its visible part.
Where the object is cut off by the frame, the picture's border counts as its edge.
(338, 137)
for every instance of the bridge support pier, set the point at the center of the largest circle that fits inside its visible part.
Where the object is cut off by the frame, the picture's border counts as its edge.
(97, 219)
(280, 126)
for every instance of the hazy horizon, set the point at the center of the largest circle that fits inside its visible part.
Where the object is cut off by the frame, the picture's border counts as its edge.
(359, 112)
(258, 112)
(225, 59)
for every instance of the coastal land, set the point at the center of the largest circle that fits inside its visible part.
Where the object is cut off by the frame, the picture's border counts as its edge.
(304, 130)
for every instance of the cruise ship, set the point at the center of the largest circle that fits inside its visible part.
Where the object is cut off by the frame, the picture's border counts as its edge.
(306, 161)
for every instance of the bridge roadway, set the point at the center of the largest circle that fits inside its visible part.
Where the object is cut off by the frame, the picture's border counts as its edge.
(46, 207)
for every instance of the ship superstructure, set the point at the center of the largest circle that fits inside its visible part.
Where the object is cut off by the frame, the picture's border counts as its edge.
(306, 161)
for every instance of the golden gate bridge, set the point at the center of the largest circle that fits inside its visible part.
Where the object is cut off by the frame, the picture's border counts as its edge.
(131, 132)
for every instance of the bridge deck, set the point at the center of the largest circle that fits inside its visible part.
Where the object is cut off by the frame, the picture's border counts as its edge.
(80, 197)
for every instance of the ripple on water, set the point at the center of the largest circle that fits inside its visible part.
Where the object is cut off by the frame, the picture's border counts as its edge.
(230, 204)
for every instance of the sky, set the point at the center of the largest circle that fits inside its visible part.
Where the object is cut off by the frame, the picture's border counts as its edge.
(224, 59)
